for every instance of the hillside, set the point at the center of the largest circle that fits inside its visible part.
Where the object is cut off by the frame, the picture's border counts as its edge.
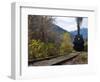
(83, 31)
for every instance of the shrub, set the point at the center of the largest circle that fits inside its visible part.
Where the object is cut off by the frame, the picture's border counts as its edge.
(52, 49)
(86, 46)
(38, 49)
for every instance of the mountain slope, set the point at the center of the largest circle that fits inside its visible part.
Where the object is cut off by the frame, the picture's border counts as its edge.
(83, 31)
(58, 33)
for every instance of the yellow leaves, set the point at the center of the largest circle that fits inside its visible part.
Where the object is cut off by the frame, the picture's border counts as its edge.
(66, 44)
(38, 49)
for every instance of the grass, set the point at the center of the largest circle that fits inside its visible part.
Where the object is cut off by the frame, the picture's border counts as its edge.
(81, 59)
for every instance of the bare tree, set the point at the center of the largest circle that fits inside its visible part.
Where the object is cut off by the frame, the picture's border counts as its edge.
(39, 27)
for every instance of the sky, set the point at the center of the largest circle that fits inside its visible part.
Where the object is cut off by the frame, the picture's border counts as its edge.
(69, 23)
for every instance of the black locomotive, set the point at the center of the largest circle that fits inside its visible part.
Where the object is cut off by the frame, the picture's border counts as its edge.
(78, 39)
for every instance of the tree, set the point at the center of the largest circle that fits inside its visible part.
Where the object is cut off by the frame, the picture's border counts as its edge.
(39, 27)
(66, 44)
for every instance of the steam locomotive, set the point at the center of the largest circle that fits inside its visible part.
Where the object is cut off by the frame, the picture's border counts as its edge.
(78, 39)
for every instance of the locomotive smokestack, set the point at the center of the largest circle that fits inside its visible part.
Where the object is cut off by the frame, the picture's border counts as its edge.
(79, 22)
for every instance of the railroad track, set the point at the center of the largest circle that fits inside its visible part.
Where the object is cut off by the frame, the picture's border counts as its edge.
(64, 61)
(56, 60)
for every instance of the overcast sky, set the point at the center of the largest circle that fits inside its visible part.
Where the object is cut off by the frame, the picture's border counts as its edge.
(69, 23)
